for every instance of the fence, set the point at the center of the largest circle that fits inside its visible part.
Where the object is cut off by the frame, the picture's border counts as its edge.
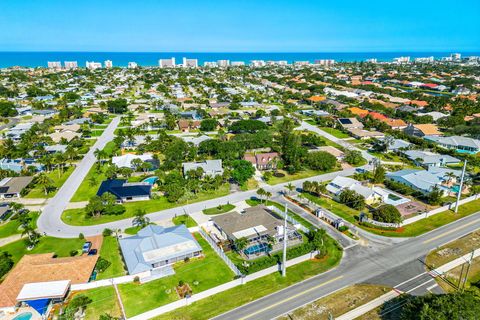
(290, 219)
(220, 252)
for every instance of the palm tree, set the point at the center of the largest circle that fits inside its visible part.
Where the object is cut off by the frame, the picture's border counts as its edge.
(268, 195)
(290, 187)
(44, 181)
(450, 176)
(241, 244)
(140, 219)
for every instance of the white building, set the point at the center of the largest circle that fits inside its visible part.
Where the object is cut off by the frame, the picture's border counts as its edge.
(257, 63)
(190, 63)
(54, 64)
(456, 56)
(210, 64)
(325, 62)
(401, 60)
(92, 65)
(301, 63)
(223, 63)
(237, 63)
(108, 64)
(373, 60)
(166, 63)
(425, 59)
(132, 65)
(71, 65)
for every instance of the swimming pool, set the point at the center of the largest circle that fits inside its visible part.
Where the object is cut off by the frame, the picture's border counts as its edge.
(24, 316)
(261, 247)
(151, 180)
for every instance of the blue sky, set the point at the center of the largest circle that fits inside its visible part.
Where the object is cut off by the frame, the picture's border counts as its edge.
(239, 26)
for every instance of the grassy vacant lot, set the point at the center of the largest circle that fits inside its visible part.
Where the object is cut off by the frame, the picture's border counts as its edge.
(252, 290)
(200, 273)
(58, 180)
(453, 250)
(77, 216)
(13, 226)
(104, 301)
(249, 185)
(335, 132)
(61, 247)
(219, 209)
(306, 173)
(338, 303)
(184, 219)
(110, 251)
(411, 230)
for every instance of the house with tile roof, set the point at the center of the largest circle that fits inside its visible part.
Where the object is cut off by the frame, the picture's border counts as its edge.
(422, 130)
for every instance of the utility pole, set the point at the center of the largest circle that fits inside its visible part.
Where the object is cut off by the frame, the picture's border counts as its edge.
(459, 193)
(468, 270)
(284, 267)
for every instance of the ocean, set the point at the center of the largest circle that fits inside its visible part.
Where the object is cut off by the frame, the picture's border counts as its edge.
(121, 59)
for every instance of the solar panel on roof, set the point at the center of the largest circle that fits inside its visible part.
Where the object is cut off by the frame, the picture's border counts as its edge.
(345, 121)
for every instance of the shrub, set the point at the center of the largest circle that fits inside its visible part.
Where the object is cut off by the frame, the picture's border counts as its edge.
(387, 213)
(81, 236)
(107, 232)
(73, 253)
(102, 264)
(6, 263)
(186, 259)
(136, 279)
(343, 228)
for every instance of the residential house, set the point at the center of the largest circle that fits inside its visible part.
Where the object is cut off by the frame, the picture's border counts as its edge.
(187, 125)
(458, 143)
(18, 165)
(365, 134)
(126, 191)
(339, 184)
(430, 159)
(263, 161)
(12, 187)
(422, 130)
(395, 144)
(155, 247)
(434, 114)
(195, 140)
(67, 135)
(259, 226)
(395, 124)
(210, 167)
(350, 123)
(40, 280)
(417, 179)
(127, 160)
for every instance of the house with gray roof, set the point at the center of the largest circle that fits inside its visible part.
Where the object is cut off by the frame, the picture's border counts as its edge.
(417, 179)
(210, 167)
(458, 143)
(430, 159)
(12, 187)
(155, 247)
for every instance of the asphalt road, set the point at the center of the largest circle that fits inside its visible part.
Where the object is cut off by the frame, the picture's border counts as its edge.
(395, 266)
(50, 220)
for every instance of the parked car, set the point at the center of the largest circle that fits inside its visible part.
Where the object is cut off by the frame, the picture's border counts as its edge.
(92, 252)
(86, 247)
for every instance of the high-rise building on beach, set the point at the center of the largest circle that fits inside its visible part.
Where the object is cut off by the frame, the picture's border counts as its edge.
(167, 63)
(132, 65)
(92, 65)
(69, 65)
(54, 64)
(108, 64)
(223, 63)
(190, 63)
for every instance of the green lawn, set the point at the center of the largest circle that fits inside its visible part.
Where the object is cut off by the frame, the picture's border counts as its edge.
(111, 251)
(306, 173)
(104, 301)
(335, 132)
(184, 219)
(209, 271)
(77, 216)
(110, 149)
(87, 189)
(252, 290)
(220, 209)
(339, 209)
(132, 230)
(38, 192)
(61, 247)
(13, 226)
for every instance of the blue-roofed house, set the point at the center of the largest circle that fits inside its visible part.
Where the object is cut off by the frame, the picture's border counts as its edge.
(125, 191)
(155, 247)
(418, 179)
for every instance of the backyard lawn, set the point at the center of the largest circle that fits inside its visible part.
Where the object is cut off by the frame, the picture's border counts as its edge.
(38, 192)
(13, 226)
(77, 216)
(88, 188)
(335, 132)
(255, 289)
(104, 301)
(219, 209)
(199, 273)
(110, 251)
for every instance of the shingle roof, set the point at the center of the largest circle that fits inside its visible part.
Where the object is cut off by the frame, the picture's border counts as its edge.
(121, 189)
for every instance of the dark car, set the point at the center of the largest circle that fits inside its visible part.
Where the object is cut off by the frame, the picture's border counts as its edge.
(92, 252)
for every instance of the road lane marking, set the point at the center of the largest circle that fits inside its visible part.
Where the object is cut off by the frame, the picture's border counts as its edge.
(291, 298)
(417, 276)
(450, 231)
